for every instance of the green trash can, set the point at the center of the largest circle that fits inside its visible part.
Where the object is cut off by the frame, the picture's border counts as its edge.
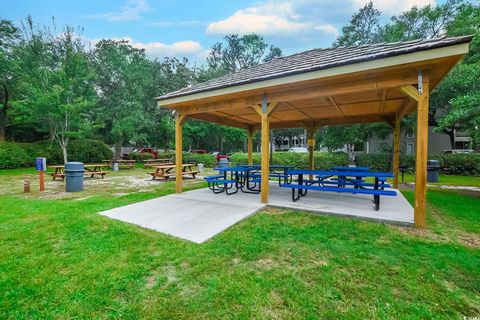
(74, 176)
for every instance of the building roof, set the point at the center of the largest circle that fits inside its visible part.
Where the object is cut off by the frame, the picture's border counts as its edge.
(314, 60)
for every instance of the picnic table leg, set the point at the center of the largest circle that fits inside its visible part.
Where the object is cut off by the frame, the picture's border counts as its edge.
(376, 198)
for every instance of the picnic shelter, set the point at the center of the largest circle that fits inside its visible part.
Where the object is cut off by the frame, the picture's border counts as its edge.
(323, 87)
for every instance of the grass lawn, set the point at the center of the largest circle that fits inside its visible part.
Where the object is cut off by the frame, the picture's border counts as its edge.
(446, 179)
(59, 259)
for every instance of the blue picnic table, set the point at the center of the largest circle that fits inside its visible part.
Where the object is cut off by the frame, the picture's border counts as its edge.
(246, 178)
(340, 181)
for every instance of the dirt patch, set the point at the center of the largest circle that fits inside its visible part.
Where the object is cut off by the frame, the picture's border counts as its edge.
(469, 239)
(274, 211)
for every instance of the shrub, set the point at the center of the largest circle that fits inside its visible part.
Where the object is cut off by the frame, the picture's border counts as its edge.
(209, 160)
(12, 155)
(166, 155)
(323, 160)
(16, 155)
(375, 161)
(459, 164)
(140, 157)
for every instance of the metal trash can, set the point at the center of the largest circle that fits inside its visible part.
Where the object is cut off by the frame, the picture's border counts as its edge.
(200, 167)
(433, 170)
(115, 165)
(74, 176)
(223, 163)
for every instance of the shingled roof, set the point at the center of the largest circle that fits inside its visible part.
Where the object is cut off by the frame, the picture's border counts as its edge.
(314, 60)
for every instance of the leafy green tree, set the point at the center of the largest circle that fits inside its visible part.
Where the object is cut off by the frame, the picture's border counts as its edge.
(458, 95)
(8, 36)
(362, 28)
(240, 52)
(124, 77)
(56, 83)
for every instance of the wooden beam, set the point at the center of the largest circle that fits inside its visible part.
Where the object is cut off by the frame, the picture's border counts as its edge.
(420, 206)
(410, 91)
(325, 89)
(180, 118)
(250, 132)
(396, 150)
(336, 105)
(331, 121)
(220, 120)
(384, 99)
(408, 108)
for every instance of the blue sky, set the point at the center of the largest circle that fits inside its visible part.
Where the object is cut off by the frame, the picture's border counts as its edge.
(189, 28)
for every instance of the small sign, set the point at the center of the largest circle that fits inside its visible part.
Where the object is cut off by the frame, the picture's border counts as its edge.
(41, 164)
(311, 142)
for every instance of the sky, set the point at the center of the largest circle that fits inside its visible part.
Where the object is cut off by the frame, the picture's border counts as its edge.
(188, 28)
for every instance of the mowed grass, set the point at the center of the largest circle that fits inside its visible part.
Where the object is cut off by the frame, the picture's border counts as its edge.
(60, 259)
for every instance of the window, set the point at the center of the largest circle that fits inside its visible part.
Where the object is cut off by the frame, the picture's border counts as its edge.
(410, 134)
(410, 148)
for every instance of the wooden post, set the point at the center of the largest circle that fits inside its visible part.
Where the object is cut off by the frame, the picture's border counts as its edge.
(311, 148)
(420, 207)
(180, 118)
(396, 150)
(250, 145)
(264, 112)
(265, 157)
(42, 180)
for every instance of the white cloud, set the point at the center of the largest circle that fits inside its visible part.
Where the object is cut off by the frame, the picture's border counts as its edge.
(186, 23)
(394, 7)
(278, 18)
(131, 10)
(187, 48)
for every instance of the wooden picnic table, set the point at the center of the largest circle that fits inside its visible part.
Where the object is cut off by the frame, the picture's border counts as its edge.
(166, 171)
(58, 172)
(156, 162)
(95, 169)
(90, 170)
(121, 163)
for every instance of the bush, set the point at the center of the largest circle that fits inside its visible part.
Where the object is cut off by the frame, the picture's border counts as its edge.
(16, 155)
(323, 160)
(458, 164)
(140, 157)
(166, 155)
(209, 160)
(12, 155)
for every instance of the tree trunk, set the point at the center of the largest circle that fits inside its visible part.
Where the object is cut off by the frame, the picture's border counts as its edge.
(118, 150)
(451, 135)
(64, 151)
(2, 130)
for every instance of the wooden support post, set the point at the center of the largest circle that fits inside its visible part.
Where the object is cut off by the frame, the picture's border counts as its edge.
(265, 157)
(264, 111)
(311, 148)
(396, 150)
(180, 118)
(250, 145)
(420, 207)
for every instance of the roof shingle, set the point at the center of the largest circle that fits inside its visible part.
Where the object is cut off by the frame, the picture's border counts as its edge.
(316, 59)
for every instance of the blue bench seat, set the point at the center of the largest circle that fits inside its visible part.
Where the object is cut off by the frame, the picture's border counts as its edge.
(344, 190)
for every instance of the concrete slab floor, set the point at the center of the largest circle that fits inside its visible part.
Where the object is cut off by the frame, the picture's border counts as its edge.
(199, 215)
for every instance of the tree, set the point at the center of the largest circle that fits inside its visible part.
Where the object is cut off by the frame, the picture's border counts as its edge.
(123, 78)
(8, 36)
(240, 52)
(56, 83)
(362, 29)
(458, 95)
